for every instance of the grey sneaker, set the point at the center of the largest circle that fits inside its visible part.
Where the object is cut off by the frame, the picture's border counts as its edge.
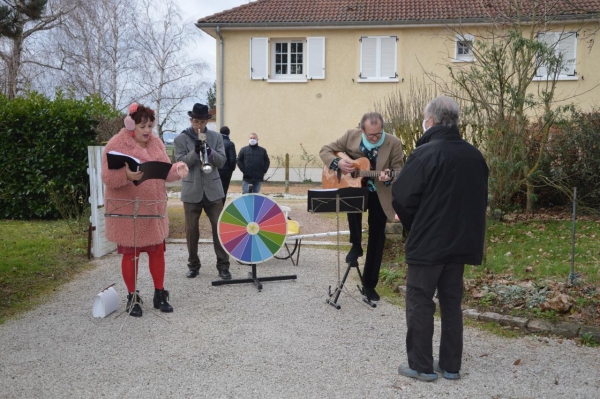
(406, 371)
(446, 374)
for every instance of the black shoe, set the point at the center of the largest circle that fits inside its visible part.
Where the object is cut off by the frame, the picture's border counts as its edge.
(224, 274)
(160, 301)
(371, 294)
(192, 273)
(354, 254)
(133, 304)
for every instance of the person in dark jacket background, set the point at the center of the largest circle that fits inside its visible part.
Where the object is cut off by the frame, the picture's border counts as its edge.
(440, 196)
(227, 170)
(254, 163)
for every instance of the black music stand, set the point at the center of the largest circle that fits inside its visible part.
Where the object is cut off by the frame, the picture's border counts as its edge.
(343, 200)
(135, 209)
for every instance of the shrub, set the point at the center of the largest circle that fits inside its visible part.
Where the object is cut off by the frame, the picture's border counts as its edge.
(45, 142)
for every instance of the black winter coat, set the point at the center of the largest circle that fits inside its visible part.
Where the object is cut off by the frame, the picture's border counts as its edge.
(440, 196)
(230, 153)
(254, 162)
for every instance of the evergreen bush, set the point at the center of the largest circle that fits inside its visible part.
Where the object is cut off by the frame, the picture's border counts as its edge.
(44, 143)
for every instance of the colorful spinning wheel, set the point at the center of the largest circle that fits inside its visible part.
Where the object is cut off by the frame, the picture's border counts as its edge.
(252, 228)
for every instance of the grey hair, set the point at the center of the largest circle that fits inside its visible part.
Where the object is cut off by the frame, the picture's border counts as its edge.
(373, 118)
(444, 110)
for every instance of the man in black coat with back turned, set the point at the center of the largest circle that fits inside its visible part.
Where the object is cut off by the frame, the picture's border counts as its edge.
(440, 197)
(227, 170)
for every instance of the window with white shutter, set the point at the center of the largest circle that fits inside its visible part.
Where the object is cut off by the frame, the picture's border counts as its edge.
(259, 58)
(287, 60)
(564, 44)
(378, 59)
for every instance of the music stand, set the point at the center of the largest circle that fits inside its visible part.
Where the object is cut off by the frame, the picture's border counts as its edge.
(135, 209)
(343, 200)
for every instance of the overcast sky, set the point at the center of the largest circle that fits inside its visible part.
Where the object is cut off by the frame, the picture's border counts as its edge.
(193, 10)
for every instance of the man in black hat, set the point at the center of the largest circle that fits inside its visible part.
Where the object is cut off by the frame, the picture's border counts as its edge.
(227, 170)
(203, 152)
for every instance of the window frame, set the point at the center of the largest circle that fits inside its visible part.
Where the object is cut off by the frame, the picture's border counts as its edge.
(560, 36)
(273, 61)
(463, 57)
(379, 60)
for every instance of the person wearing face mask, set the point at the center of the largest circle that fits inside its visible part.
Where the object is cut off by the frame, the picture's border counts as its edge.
(203, 151)
(254, 163)
(384, 152)
(138, 141)
(440, 197)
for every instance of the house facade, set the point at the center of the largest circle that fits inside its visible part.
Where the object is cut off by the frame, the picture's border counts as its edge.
(300, 73)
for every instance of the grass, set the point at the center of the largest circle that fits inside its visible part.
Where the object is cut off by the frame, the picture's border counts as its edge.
(528, 263)
(37, 257)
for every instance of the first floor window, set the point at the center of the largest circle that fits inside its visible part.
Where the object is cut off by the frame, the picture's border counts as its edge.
(464, 48)
(378, 58)
(564, 46)
(289, 58)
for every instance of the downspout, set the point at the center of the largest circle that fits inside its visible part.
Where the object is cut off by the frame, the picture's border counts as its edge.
(221, 60)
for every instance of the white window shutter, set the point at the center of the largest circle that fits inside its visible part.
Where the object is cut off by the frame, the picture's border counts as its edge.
(388, 57)
(368, 57)
(549, 40)
(315, 59)
(259, 58)
(568, 47)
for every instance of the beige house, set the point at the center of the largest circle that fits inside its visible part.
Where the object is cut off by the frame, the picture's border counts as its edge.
(305, 71)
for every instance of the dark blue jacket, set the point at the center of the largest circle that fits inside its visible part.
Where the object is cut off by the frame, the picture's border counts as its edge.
(254, 162)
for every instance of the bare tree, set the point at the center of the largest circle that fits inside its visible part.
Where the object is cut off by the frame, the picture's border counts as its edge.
(19, 20)
(94, 53)
(167, 74)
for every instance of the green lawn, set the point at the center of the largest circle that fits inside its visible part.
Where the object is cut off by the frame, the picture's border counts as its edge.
(36, 257)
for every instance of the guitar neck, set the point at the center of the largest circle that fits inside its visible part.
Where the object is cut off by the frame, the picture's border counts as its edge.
(373, 173)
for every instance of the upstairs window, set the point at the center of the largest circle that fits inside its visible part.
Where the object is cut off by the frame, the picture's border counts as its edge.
(378, 59)
(463, 48)
(287, 60)
(565, 45)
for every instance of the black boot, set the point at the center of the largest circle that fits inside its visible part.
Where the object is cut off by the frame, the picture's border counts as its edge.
(133, 304)
(160, 301)
(355, 252)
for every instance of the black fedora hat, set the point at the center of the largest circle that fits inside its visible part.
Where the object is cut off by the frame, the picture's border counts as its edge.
(200, 111)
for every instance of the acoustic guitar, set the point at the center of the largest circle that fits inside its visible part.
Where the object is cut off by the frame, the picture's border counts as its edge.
(332, 179)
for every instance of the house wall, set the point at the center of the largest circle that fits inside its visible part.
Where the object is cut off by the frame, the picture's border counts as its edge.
(313, 113)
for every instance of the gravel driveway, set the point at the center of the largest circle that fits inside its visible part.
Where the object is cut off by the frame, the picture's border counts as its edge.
(232, 341)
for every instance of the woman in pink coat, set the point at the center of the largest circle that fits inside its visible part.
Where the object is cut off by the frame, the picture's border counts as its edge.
(138, 141)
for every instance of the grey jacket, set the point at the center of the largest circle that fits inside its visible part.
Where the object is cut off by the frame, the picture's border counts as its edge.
(197, 183)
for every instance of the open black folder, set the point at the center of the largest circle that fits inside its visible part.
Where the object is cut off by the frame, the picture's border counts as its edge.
(151, 169)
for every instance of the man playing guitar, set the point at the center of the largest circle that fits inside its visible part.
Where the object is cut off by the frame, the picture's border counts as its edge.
(384, 152)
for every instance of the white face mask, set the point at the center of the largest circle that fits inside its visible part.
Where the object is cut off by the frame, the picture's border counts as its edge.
(424, 128)
(253, 141)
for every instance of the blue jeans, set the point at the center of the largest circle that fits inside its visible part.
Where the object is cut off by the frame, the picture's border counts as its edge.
(255, 188)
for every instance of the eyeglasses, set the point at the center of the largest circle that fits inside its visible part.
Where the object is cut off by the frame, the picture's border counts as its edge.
(374, 135)
(198, 122)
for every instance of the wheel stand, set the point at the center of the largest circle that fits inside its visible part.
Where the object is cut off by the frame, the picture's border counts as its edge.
(253, 278)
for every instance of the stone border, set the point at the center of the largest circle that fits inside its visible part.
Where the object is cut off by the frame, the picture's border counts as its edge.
(530, 326)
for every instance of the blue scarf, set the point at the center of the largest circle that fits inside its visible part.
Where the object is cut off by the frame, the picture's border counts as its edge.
(368, 145)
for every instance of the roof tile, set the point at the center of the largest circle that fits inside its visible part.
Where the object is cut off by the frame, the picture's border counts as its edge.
(393, 11)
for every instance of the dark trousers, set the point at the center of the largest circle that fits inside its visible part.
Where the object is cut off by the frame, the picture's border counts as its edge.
(225, 180)
(421, 282)
(192, 232)
(376, 241)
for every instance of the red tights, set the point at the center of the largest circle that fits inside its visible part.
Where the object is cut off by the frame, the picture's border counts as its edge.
(157, 269)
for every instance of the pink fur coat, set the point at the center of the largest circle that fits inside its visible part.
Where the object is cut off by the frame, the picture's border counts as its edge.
(120, 193)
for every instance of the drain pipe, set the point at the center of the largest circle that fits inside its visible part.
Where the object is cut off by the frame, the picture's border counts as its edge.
(221, 96)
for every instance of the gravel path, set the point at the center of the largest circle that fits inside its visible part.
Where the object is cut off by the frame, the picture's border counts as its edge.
(232, 341)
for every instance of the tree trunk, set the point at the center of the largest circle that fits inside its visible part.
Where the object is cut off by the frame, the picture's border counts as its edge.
(14, 66)
(530, 195)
